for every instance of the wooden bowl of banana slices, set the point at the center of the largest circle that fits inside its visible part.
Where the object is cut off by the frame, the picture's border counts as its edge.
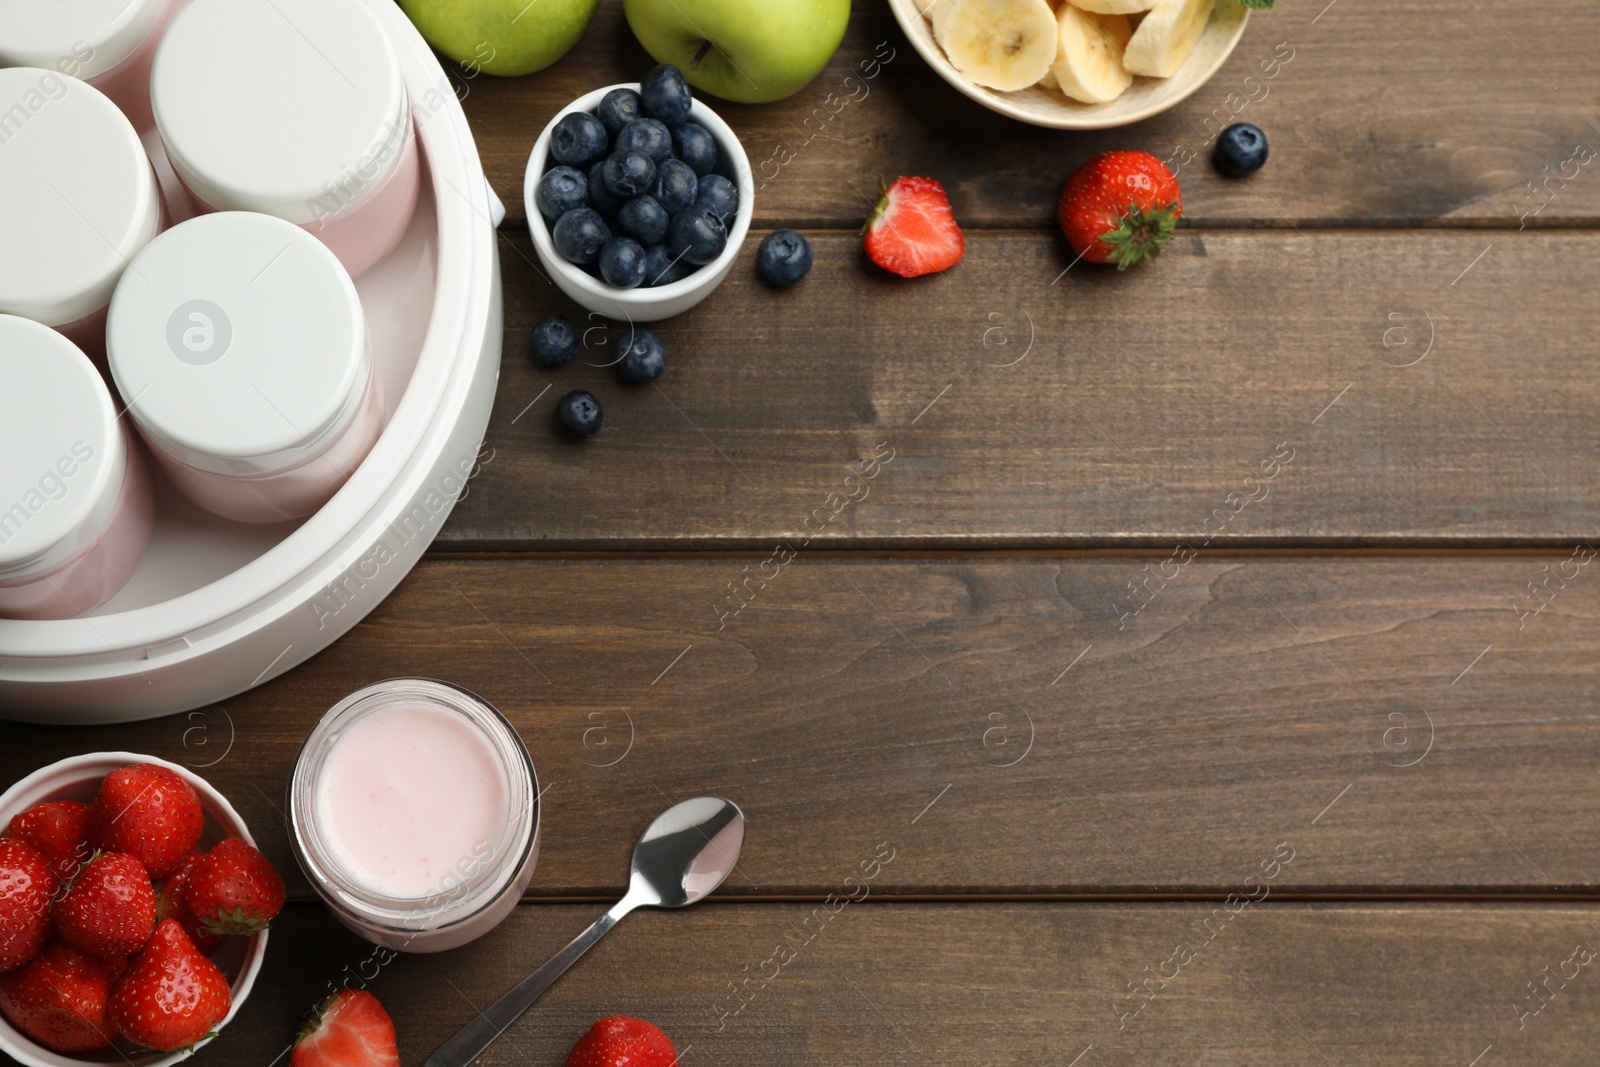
(1074, 64)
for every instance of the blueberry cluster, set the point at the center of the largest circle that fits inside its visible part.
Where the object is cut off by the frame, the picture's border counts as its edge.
(632, 193)
(637, 354)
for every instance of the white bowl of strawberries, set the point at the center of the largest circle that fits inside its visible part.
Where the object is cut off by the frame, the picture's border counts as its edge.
(133, 912)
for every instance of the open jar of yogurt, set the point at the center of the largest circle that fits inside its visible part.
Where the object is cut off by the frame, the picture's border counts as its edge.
(414, 812)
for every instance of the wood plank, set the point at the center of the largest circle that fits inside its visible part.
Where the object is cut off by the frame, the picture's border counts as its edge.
(1422, 113)
(1386, 716)
(1391, 985)
(1145, 401)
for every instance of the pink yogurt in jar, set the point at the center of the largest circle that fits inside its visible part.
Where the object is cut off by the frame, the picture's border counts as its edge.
(414, 812)
(80, 201)
(108, 43)
(76, 507)
(294, 108)
(240, 347)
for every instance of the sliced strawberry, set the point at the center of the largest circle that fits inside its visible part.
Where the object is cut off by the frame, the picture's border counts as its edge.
(27, 885)
(233, 889)
(149, 812)
(110, 907)
(621, 1041)
(171, 997)
(349, 1029)
(59, 831)
(61, 998)
(912, 231)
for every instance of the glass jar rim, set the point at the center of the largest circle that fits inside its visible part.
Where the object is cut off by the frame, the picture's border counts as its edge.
(476, 890)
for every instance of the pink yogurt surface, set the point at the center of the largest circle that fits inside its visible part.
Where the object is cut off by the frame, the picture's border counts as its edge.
(411, 797)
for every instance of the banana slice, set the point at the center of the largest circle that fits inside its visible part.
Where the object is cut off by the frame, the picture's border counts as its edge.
(1050, 82)
(1115, 7)
(1088, 62)
(1000, 44)
(1166, 37)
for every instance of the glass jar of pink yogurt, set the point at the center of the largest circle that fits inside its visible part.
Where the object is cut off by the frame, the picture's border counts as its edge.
(414, 812)
(76, 507)
(108, 43)
(294, 108)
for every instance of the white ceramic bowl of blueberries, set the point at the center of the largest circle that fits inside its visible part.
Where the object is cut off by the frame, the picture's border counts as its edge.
(638, 198)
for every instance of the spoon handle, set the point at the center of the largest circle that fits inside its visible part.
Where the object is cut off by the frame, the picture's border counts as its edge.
(479, 1034)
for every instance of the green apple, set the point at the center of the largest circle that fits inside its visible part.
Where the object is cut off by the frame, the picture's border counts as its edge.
(749, 51)
(504, 37)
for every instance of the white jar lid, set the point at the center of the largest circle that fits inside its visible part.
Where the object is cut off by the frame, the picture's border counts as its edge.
(77, 196)
(82, 38)
(238, 342)
(65, 456)
(292, 107)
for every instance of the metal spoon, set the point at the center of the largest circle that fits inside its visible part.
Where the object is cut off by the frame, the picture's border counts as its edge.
(685, 854)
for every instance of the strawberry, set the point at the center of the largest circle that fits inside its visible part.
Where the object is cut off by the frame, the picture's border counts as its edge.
(623, 1042)
(26, 887)
(169, 905)
(148, 812)
(912, 231)
(110, 907)
(349, 1029)
(61, 997)
(1119, 208)
(172, 997)
(233, 889)
(59, 831)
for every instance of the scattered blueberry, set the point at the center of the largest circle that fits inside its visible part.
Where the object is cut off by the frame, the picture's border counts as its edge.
(645, 218)
(720, 195)
(579, 138)
(622, 262)
(629, 173)
(648, 137)
(661, 267)
(666, 95)
(601, 198)
(560, 190)
(676, 185)
(580, 413)
(697, 235)
(784, 257)
(554, 341)
(1241, 150)
(580, 234)
(618, 108)
(694, 144)
(640, 357)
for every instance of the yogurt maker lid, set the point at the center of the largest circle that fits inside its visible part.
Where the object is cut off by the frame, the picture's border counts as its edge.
(65, 455)
(296, 108)
(239, 343)
(82, 38)
(80, 196)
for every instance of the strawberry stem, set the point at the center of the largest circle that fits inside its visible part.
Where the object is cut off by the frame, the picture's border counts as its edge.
(1139, 235)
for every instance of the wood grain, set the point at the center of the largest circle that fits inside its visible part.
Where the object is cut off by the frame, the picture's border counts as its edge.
(1353, 985)
(1420, 113)
(1144, 401)
(1386, 716)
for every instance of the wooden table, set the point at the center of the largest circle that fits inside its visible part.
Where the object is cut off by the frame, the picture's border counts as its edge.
(1180, 650)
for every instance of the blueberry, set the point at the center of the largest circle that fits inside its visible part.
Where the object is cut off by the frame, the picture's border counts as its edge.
(579, 235)
(720, 195)
(784, 257)
(601, 198)
(661, 267)
(629, 173)
(676, 185)
(640, 357)
(697, 235)
(618, 108)
(1241, 150)
(561, 190)
(580, 413)
(645, 218)
(579, 138)
(666, 95)
(554, 341)
(694, 144)
(648, 137)
(622, 262)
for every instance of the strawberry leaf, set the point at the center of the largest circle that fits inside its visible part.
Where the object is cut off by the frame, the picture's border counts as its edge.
(1139, 236)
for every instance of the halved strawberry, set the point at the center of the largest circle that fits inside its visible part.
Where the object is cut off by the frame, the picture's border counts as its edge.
(349, 1029)
(912, 231)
